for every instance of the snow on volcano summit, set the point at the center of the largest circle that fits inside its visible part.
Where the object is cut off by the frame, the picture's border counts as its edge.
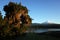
(48, 22)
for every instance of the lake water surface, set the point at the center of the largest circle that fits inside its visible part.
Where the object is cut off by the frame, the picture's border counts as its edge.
(53, 29)
(40, 30)
(45, 30)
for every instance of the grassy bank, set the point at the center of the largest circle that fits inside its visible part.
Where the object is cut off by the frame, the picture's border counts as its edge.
(31, 36)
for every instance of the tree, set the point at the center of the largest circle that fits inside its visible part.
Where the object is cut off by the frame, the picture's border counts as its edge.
(16, 17)
(1, 20)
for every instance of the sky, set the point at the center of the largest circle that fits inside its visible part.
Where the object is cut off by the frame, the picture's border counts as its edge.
(39, 10)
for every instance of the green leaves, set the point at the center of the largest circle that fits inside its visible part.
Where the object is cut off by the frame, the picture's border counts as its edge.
(11, 23)
(14, 7)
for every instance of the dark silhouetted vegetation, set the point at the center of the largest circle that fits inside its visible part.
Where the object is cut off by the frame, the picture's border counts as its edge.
(44, 26)
(16, 20)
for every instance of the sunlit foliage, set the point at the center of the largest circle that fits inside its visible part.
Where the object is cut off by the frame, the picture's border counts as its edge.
(16, 20)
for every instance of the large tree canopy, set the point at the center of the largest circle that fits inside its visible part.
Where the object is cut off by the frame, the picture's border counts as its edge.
(14, 7)
(16, 19)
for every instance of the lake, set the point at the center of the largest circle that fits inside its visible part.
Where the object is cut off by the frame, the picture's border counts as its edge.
(42, 30)
(53, 29)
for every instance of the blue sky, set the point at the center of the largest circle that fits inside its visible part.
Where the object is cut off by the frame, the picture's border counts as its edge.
(39, 10)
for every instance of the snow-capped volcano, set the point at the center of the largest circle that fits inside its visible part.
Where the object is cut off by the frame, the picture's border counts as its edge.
(48, 22)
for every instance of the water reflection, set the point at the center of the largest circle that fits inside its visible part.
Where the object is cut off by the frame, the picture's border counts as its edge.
(40, 30)
(45, 30)
(53, 29)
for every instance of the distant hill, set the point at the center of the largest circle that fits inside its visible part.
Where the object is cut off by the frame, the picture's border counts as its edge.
(48, 22)
(45, 25)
